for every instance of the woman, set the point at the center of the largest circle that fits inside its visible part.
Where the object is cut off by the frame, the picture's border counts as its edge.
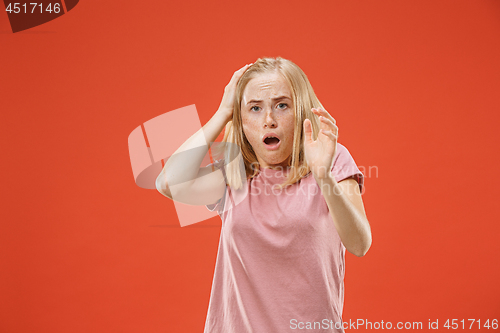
(290, 204)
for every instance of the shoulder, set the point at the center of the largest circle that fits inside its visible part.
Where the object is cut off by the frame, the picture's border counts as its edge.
(342, 148)
(341, 154)
(345, 167)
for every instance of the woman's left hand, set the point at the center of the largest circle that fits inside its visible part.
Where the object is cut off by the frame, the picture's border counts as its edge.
(319, 153)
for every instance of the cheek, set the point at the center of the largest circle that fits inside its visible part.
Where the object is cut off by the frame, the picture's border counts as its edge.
(248, 121)
(249, 130)
(288, 124)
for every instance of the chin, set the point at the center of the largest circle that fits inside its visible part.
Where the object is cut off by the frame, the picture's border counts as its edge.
(273, 160)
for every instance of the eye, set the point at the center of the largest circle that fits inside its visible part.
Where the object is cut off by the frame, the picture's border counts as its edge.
(254, 108)
(282, 106)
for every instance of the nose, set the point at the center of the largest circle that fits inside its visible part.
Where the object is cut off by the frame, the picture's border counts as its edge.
(270, 121)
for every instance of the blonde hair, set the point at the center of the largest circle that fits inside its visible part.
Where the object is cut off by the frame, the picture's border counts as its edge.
(304, 99)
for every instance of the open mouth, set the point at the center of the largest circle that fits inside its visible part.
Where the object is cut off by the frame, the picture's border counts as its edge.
(271, 141)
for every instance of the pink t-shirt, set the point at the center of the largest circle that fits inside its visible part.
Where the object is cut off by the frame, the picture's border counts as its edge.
(280, 262)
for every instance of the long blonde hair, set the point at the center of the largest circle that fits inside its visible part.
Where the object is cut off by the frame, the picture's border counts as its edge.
(304, 99)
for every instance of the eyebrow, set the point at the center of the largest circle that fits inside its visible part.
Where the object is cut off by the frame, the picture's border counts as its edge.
(274, 99)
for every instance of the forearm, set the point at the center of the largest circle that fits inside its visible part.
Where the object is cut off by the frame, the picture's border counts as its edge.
(352, 226)
(184, 164)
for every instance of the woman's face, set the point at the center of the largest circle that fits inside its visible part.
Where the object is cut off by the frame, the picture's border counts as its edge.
(268, 119)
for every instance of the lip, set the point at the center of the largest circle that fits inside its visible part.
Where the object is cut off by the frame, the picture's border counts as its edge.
(271, 147)
(270, 134)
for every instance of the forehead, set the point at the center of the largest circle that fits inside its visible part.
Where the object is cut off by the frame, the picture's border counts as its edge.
(265, 86)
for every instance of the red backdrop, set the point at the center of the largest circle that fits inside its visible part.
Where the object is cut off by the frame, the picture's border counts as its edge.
(413, 86)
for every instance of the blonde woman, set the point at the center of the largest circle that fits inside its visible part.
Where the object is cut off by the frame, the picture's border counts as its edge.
(289, 199)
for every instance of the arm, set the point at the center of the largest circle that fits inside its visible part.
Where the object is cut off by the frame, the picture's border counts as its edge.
(188, 182)
(348, 213)
(183, 167)
(343, 198)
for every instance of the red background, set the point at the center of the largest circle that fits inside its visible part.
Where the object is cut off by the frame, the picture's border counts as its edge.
(413, 86)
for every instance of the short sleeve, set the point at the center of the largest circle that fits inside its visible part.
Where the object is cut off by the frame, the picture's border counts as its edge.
(344, 167)
(219, 205)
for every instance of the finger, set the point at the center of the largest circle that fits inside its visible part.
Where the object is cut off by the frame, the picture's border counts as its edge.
(322, 124)
(329, 134)
(329, 124)
(242, 69)
(327, 115)
(307, 131)
(324, 113)
(236, 75)
(326, 124)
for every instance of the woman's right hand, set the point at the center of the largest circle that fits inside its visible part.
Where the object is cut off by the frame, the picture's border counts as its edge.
(227, 103)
